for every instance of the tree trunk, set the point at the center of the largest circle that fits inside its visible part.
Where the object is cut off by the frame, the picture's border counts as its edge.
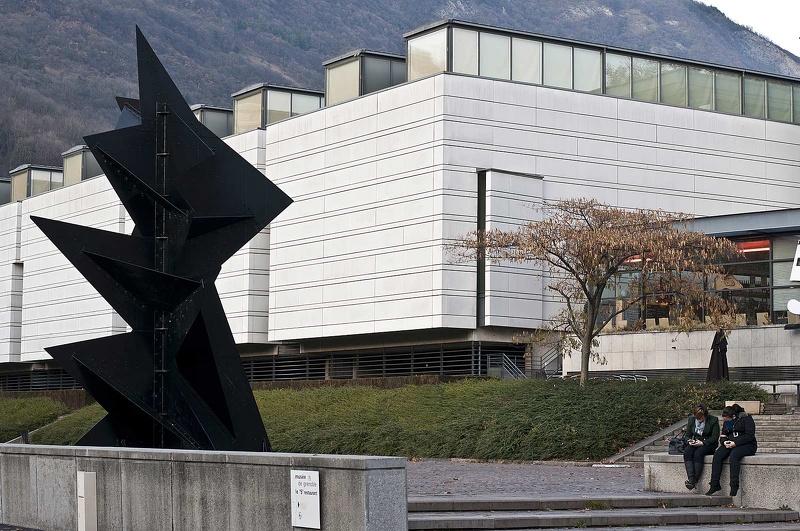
(586, 349)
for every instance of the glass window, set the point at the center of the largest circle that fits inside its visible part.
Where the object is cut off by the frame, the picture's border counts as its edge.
(753, 249)
(673, 84)
(19, 186)
(588, 70)
(526, 60)
(40, 181)
(217, 122)
(618, 75)
(558, 65)
(783, 247)
(796, 106)
(427, 54)
(701, 88)
(303, 103)
(279, 105)
(782, 272)
(495, 56)
(93, 168)
(782, 296)
(247, 112)
(56, 180)
(377, 74)
(728, 93)
(73, 168)
(754, 97)
(752, 305)
(779, 101)
(398, 72)
(342, 82)
(645, 79)
(745, 275)
(465, 51)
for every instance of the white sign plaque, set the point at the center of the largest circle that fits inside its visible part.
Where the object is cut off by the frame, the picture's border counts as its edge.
(305, 499)
(795, 275)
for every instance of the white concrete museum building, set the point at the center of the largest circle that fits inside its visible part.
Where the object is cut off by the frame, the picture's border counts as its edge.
(399, 156)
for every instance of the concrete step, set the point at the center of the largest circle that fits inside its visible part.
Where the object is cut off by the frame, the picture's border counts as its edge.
(593, 518)
(778, 444)
(633, 458)
(772, 450)
(771, 526)
(441, 504)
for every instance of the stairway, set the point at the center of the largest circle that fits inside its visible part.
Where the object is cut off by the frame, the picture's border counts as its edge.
(775, 434)
(651, 509)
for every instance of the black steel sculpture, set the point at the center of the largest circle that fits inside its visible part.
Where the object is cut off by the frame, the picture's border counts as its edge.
(176, 380)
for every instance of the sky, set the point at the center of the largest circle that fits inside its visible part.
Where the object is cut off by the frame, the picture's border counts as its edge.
(775, 19)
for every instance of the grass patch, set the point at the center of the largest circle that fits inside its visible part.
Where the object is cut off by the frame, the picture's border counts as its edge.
(17, 414)
(483, 419)
(594, 505)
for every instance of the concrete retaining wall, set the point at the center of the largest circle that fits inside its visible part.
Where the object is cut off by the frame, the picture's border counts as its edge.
(767, 481)
(196, 490)
(762, 346)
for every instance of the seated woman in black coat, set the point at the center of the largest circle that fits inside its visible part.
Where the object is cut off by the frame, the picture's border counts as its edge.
(738, 440)
(702, 431)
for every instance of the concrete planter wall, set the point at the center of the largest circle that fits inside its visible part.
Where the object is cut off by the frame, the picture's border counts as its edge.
(767, 481)
(196, 490)
(765, 346)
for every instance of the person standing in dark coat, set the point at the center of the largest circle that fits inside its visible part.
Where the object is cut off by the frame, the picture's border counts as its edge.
(702, 432)
(738, 440)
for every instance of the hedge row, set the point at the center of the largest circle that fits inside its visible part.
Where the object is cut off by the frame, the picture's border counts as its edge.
(481, 419)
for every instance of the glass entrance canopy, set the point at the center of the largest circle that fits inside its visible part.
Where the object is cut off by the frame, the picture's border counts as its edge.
(474, 49)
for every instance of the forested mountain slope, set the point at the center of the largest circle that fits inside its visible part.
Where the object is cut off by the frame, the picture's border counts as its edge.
(62, 62)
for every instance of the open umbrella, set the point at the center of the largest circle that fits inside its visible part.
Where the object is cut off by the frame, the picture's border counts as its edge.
(718, 367)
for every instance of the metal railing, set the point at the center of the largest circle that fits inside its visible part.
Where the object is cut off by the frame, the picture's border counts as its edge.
(501, 366)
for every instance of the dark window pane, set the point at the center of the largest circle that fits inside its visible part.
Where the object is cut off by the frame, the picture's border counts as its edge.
(377, 74)
(398, 72)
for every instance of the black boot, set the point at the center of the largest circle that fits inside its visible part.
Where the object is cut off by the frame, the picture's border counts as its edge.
(690, 482)
(714, 487)
(734, 490)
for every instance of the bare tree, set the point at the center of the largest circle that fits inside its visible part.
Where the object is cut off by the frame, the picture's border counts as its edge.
(589, 250)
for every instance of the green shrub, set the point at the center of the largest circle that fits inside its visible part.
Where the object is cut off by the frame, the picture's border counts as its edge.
(486, 419)
(67, 430)
(17, 414)
(474, 418)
